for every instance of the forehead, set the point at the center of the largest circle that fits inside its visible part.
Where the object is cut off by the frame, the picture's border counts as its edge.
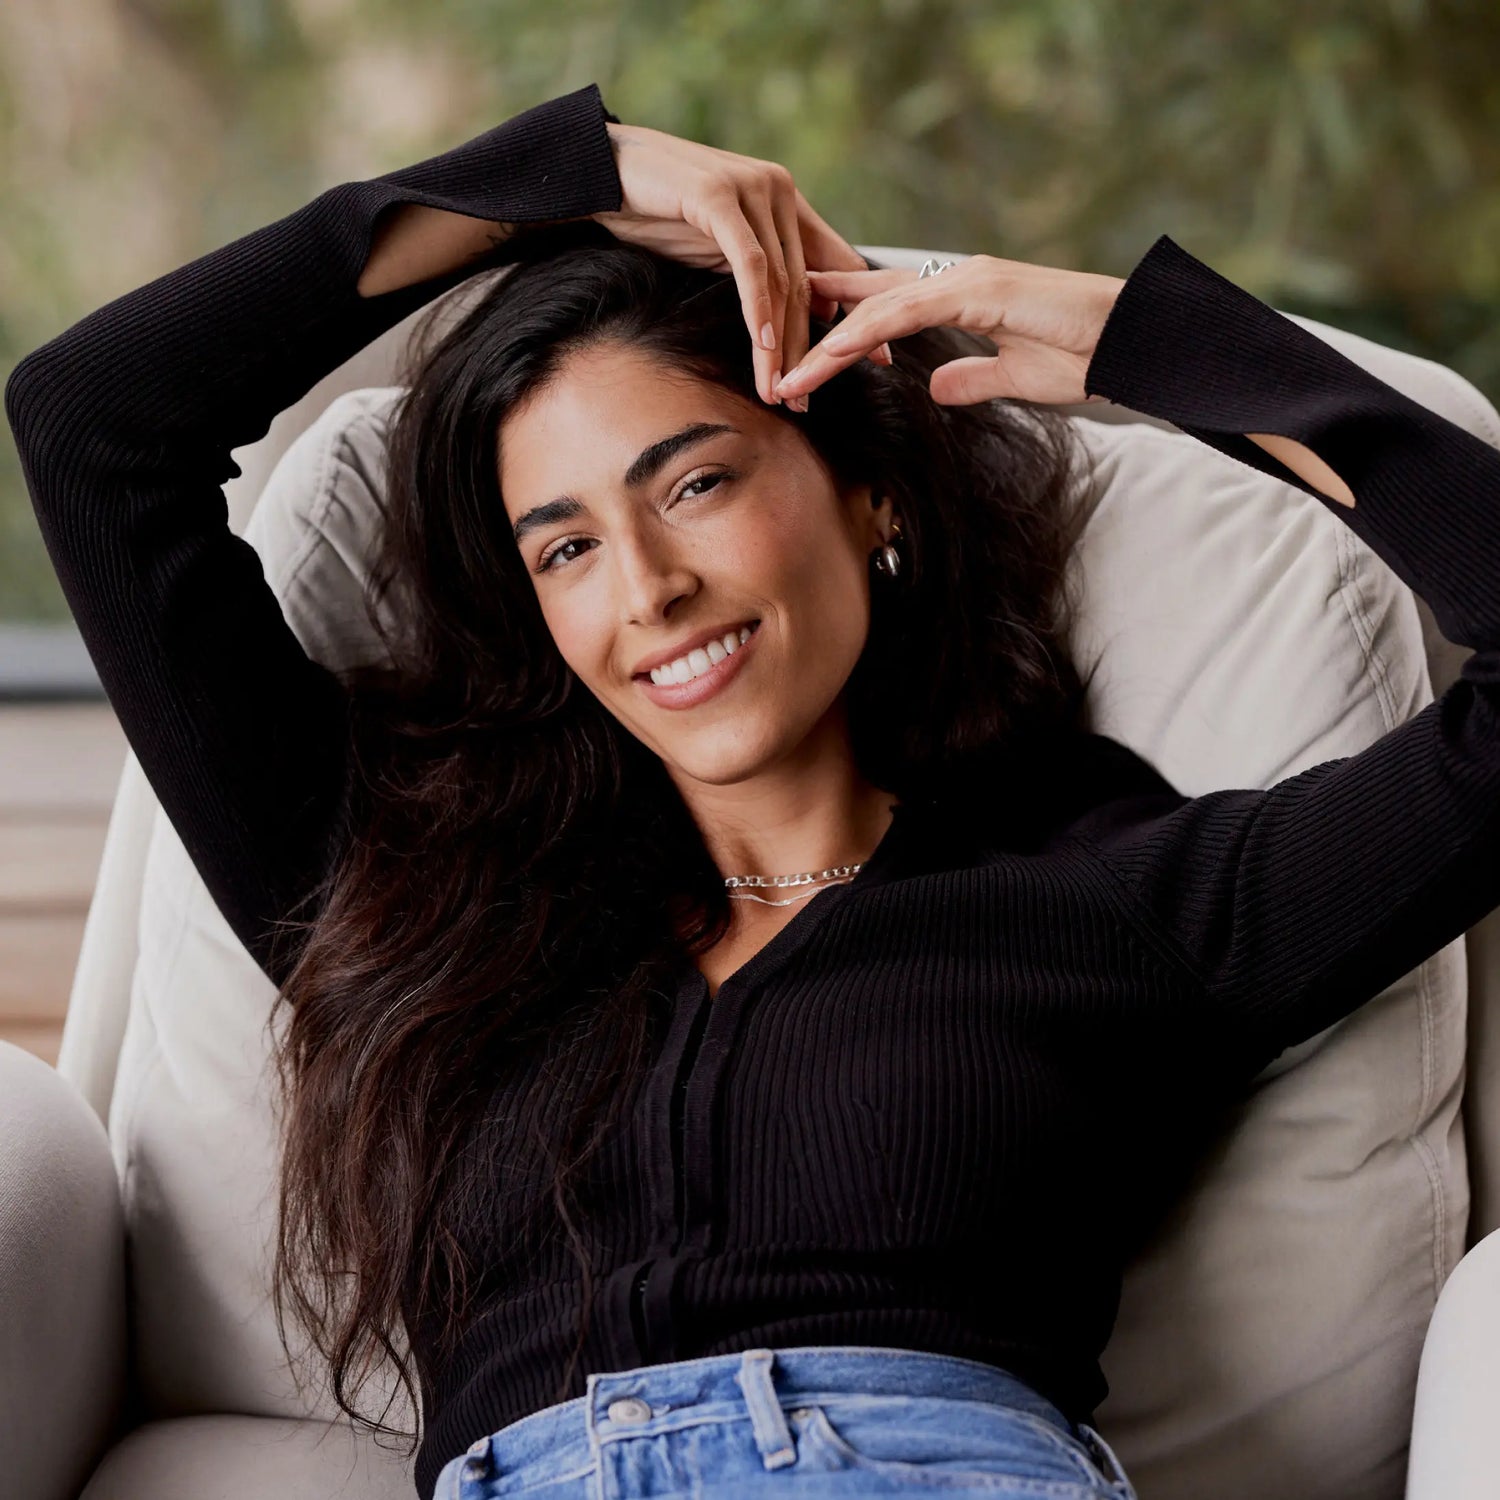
(587, 425)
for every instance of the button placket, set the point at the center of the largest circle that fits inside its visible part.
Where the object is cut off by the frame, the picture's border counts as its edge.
(679, 1115)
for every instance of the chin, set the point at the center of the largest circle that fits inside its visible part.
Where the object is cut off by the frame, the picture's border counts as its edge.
(724, 764)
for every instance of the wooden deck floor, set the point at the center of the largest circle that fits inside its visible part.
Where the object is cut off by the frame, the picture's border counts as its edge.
(59, 767)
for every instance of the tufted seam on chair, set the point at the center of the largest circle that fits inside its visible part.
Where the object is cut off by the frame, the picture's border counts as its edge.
(1430, 1165)
(1351, 562)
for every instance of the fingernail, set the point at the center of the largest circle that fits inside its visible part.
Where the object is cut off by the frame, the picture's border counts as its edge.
(886, 357)
(789, 382)
(767, 336)
(798, 403)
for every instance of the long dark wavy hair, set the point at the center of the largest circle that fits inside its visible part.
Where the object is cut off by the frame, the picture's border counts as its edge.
(518, 867)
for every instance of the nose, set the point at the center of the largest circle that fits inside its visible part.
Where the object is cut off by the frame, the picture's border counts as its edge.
(651, 575)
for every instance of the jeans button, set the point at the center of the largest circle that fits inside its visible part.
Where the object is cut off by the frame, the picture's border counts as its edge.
(629, 1409)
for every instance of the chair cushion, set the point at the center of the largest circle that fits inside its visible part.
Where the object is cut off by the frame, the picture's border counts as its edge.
(247, 1458)
(1269, 1337)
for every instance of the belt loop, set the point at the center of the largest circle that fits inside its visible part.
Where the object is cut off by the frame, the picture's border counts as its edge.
(772, 1435)
(477, 1464)
(1103, 1455)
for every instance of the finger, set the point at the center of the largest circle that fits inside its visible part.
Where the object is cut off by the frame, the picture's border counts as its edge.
(795, 332)
(742, 247)
(823, 248)
(821, 285)
(850, 288)
(967, 381)
(769, 363)
(896, 313)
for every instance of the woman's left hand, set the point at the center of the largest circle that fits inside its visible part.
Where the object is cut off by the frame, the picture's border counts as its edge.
(1045, 322)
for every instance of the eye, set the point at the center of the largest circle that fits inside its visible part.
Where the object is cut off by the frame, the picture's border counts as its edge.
(544, 563)
(693, 484)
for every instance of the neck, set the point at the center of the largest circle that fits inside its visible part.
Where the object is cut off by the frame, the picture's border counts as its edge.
(799, 839)
(808, 814)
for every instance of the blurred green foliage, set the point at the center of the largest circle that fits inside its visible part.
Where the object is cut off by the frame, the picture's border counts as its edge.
(1340, 158)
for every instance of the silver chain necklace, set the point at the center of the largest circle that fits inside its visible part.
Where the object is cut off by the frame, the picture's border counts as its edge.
(833, 875)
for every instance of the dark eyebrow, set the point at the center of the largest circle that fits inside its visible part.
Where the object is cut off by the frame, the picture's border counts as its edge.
(647, 465)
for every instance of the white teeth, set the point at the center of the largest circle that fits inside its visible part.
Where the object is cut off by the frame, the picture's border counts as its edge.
(700, 658)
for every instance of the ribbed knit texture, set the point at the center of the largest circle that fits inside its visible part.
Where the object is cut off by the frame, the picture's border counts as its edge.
(940, 1107)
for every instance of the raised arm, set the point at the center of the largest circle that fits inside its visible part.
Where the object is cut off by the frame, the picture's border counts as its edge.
(125, 423)
(1291, 906)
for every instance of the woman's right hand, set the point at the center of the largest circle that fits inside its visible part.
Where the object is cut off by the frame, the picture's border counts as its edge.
(716, 209)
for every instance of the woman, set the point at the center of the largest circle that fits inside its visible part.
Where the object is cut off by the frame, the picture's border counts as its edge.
(670, 1190)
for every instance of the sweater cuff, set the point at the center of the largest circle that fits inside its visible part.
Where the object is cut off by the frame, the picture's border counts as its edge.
(1186, 344)
(552, 161)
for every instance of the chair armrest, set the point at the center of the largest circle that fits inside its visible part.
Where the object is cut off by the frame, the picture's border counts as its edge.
(99, 1003)
(1458, 1385)
(62, 1282)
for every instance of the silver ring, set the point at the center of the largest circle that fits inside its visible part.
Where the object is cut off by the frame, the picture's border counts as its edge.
(932, 267)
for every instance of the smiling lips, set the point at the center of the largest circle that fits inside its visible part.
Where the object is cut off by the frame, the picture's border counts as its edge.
(702, 672)
(651, 666)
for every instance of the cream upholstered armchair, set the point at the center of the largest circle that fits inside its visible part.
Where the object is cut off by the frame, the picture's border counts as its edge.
(1269, 1337)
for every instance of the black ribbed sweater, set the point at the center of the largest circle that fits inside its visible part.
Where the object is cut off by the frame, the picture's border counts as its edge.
(936, 1110)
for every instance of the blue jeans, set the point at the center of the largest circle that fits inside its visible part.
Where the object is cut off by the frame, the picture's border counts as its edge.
(794, 1424)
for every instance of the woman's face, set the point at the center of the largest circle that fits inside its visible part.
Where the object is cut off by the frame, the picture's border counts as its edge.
(687, 511)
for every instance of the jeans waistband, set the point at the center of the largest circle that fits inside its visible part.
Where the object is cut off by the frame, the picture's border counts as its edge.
(628, 1402)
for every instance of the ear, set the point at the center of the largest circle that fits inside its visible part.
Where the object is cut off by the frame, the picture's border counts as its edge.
(870, 512)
